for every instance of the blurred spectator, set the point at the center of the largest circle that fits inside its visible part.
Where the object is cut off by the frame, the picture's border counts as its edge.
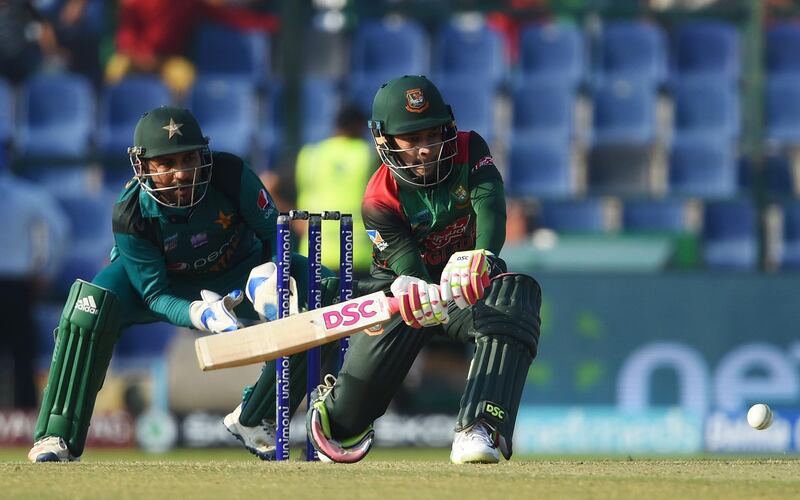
(20, 32)
(332, 175)
(33, 240)
(153, 36)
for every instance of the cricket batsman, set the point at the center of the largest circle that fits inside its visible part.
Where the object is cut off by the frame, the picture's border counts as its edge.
(184, 238)
(435, 212)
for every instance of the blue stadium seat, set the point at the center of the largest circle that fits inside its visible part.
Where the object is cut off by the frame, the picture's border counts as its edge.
(632, 49)
(65, 180)
(543, 108)
(91, 238)
(790, 244)
(539, 167)
(778, 178)
(320, 103)
(624, 112)
(708, 48)
(782, 110)
(46, 318)
(554, 52)
(140, 343)
(121, 106)
(730, 235)
(468, 50)
(56, 117)
(577, 215)
(6, 111)
(473, 106)
(655, 215)
(226, 52)
(704, 168)
(783, 49)
(226, 110)
(706, 108)
(382, 50)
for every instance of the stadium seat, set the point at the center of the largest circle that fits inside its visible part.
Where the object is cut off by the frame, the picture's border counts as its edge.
(226, 110)
(121, 106)
(632, 49)
(467, 49)
(554, 52)
(621, 170)
(46, 318)
(783, 50)
(706, 108)
(385, 49)
(778, 177)
(707, 48)
(6, 122)
(473, 106)
(790, 245)
(320, 103)
(91, 236)
(730, 235)
(701, 167)
(140, 343)
(624, 112)
(56, 117)
(226, 52)
(539, 167)
(543, 108)
(577, 215)
(655, 215)
(782, 110)
(61, 180)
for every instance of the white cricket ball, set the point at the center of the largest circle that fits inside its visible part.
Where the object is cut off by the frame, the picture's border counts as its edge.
(759, 416)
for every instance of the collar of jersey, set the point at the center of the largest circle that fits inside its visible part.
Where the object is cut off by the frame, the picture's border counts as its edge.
(152, 209)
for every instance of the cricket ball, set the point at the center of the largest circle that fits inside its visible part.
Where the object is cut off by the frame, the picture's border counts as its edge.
(759, 416)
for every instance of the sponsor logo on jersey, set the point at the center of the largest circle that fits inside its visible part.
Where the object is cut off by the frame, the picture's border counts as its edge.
(415, 101)
(486, 160)
(263, 199)
(377, 239)
(87, 305)
(224, 220)
(199, 239)
(171, 243)
(177, 266)
(448, 235)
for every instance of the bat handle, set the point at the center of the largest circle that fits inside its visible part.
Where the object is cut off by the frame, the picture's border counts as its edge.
(394, 305)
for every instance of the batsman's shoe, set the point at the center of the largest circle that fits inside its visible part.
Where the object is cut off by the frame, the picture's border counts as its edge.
(330, 450)
(259, 440)
(476, 445)
(51, 449)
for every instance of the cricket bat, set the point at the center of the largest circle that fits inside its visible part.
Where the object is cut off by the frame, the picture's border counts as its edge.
(293, 334)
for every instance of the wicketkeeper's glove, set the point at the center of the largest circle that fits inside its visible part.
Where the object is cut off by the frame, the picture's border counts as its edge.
(214, 313)
(262, 291)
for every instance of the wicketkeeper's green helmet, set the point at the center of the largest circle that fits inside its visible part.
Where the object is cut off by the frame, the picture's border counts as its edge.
(166, 131)
(410, 104)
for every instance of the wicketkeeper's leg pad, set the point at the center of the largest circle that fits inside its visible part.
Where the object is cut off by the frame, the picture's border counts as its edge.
(84, 341)
(506, 329)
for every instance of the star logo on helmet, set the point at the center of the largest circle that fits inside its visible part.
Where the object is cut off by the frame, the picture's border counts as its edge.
(173, 128)
(415, 101)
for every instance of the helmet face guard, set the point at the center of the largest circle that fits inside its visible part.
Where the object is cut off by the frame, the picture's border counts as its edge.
(435, 171)
(170, 196)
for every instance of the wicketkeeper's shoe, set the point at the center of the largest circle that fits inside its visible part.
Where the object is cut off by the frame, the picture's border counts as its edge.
(51, 449)
(329, 450)
(476, 445)
(259, 440)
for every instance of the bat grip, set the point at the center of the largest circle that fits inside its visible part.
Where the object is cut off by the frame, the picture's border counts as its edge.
(394, 305)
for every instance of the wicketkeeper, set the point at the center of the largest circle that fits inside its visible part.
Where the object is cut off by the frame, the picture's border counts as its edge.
(435, 211)
(184, 239)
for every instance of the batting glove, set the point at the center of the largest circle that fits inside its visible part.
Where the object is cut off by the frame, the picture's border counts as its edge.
(262, 291)
(420, 302)
(214, 313)
(465, 277)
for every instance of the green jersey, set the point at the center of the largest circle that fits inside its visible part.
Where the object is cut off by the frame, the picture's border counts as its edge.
(414, 232)
(228, 233)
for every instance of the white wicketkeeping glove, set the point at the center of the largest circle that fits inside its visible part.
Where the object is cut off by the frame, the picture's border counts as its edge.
(262, 291)
(214, 313)
(420, 303)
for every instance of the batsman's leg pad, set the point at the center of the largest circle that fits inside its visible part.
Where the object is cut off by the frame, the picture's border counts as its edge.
(506, 330)
(343, 451)
(85, 338)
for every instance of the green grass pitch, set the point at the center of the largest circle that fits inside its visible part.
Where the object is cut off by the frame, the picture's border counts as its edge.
(413, 474)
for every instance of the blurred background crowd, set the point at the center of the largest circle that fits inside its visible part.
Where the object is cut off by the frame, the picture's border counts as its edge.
(633, 135)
